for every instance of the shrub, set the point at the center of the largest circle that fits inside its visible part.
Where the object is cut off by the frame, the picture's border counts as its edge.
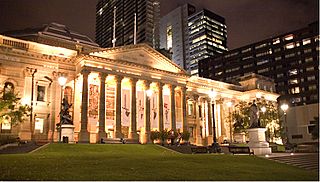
(163, 136)
(154, 135)
(185, 135)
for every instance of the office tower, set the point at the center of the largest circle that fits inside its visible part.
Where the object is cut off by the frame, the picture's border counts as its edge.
(292, 60)
(174, 33)
(115, 22)
(207, 37)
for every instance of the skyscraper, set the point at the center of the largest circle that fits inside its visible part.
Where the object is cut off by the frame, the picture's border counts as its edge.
(174, 33)
(115, 22)
(207, 37)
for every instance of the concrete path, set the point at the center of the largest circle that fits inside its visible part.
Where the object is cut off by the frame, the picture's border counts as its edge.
(309, 161)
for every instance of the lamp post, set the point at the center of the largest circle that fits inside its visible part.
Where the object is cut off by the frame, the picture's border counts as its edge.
(263, 109)
(62, 81)
(33, 72)
(229, 104)
(284, 108)
(215, 145)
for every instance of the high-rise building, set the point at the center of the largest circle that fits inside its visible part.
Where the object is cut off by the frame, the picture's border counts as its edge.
(207, 37)
(292, 60)
(174, 33)
(115, 22)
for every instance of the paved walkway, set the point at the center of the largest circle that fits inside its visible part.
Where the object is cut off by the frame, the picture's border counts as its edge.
(22, 148)
(309, 161)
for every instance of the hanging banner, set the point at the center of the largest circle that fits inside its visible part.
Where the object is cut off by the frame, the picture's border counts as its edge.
(140, 109)
(154, 111)
(166, 112)
(178, 110)
(125, 107)
(110, 106)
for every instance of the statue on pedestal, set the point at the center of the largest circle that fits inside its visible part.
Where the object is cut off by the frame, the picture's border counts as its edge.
(65, 117)
(254, 115)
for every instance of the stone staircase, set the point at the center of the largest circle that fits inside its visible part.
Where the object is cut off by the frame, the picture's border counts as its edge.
(309, 161)
(121, 141)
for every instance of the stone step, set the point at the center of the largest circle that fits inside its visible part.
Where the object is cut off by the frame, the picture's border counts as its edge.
(307, 161)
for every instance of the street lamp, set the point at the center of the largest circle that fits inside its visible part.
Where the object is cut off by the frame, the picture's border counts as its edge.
(284, 108)
(263, 109)
(229, 104)
(215, 145)
(62, 81)
(33, 72)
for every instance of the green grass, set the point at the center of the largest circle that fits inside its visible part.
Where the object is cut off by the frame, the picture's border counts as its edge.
(140, 162)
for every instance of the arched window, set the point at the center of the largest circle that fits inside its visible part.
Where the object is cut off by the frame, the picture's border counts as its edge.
(68, 94)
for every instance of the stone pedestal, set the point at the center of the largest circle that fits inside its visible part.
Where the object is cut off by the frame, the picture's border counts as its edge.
(240, 137)
(257, 141)
(67, 130)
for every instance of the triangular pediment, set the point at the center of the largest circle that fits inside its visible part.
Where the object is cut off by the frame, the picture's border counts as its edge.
(141, 54)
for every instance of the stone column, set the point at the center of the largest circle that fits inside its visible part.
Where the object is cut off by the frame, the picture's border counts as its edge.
(102, 108)
(221, 121)
(173, 107)
(133, 125)
(210, 138)
(196, 105)
(147, 113)
(184, 109)
(84, 136)
(160, 102)
(118, 133)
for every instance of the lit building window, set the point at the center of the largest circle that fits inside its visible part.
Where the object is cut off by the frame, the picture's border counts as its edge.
(290, 46)
(309, 59)
(310, 69)
(310, 78)
(295, 90)
(306, 41)
(6, 124)
(312, 87)
(288, 37)
(276, 41)
(293, 81)
(293, 72)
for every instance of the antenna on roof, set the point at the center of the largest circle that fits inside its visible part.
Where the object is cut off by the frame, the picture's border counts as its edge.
(135, 29)
(114, 27)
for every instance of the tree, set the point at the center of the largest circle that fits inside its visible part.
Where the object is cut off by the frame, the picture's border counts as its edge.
(11, 108)
(268, 119)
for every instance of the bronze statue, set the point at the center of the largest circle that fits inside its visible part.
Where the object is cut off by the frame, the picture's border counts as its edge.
(254, 115)
(65, 117)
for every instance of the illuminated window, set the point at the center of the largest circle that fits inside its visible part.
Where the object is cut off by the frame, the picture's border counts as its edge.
(169, 37)
(190, 109)
(293, 72)
(310, 78)
(276, 41)
(307, 51)
(306, 41)
(293, 81)
(6, 124)
(288, 37)
(310, 69)
(263, 70)
(309, 59)
(41, 92)
(39, 125)
(290, 46)
(289, 55)
(277, 58)
(312, 87)
(280, 75)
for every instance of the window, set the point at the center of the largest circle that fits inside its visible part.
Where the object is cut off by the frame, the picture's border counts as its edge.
(280, 75)
(293, 72)
(288, 37)
(290, 46)
(41, 91)
(276, 41)
(247, 65)
(169, 37)
(293, 81)
(277, 58)
(314, 97)
(295, 90)
(263, 70)
(307, 51)
(190, 109)
(309, 59)
(312, 87)
(310, 69)
(310, 78)
(39, 125)
(6, 125)
(306, 41)
(289, 55)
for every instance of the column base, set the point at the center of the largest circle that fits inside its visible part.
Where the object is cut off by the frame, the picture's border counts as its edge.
(145, 138)
(118, 134)
(133, 135)
(84, 137)
(198, 140)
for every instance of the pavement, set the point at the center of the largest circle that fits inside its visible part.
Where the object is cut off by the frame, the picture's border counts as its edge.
(21, 148)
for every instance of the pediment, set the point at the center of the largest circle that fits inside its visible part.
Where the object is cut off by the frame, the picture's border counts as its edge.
(141, 54)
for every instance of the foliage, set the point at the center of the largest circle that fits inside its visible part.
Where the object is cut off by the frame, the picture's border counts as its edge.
(12, 109)
(154, 135)
(163, 136)
(185, 135)
(315, 131)
(268, 119)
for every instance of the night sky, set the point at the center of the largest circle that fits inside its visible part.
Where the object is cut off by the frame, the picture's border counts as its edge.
(248, 21)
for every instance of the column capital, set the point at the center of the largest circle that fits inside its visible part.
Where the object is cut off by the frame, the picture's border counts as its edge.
(147, 84)
(220, 101)
(184, 89)
(85, 72)
(172, 86)
(195, 97)
(133, 80)
(118, 78)
(160, 84)
(103, 76)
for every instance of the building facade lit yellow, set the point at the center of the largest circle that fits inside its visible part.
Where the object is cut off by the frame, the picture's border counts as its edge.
(121, 92)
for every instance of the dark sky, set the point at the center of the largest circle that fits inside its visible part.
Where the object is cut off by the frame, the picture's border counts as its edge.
(248, 21)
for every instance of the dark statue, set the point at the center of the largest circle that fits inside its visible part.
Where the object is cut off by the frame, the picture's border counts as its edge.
(254, 115)
(65, 117)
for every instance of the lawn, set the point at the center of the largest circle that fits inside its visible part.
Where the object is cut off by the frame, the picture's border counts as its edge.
(140, 162)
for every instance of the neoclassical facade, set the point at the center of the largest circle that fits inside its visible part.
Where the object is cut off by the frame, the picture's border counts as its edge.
(122, 92)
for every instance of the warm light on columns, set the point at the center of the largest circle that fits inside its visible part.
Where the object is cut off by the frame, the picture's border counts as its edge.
(149, 92)
(229, 104)
(212, 94)
(263, 109)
